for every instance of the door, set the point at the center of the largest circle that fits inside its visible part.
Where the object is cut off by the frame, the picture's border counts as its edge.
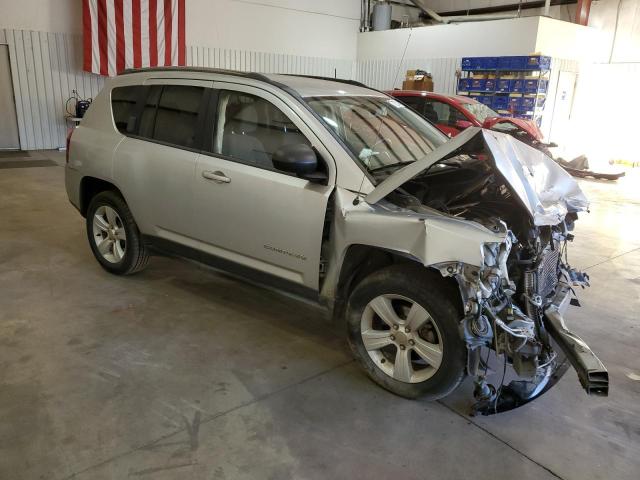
(9, 139)
(154, 165)
(248, 212)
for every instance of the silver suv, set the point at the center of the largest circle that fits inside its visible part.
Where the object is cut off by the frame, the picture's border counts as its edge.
(445, 257)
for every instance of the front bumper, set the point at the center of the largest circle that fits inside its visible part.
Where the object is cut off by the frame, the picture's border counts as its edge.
(570, 349)
(592, 373)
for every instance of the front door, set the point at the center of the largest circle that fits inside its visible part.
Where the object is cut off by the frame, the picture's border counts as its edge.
(245, 210)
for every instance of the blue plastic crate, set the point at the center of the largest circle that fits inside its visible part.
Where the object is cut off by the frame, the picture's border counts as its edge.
(504, 85)
(464, 84)
(517, 85)
(500, 102)
(478, 84)
(514, 103)
(487, 63)
(512, 63)
(535, 86)
(538, 62)
(528, 103)
(486, 99)
(490, 85)
(479, 63)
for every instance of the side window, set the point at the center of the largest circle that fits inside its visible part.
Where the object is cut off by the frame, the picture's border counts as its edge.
(442, 113)
(170, 114)
(177, 115)
(148, 114)
(416, 103)
(123, 106)
(250, 129)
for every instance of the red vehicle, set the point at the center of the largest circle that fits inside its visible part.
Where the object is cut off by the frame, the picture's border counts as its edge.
(453, 113)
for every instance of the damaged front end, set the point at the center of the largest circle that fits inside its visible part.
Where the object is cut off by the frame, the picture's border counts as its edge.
(515, 297)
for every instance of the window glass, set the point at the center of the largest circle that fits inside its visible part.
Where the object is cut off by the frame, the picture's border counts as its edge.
(250, 129)
(381, 132)
(177, 115)
(123, 104)
(442, 113)
(480, 111)
(148, 115)
(417, 103)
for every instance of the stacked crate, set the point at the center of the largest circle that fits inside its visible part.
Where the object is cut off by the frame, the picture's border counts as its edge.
(512, 86)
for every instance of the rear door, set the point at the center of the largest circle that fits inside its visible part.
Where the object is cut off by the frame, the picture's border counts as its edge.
(154, 165)
(248, 212)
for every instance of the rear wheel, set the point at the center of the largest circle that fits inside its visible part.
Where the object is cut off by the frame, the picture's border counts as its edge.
(403, 330)
(113, 235)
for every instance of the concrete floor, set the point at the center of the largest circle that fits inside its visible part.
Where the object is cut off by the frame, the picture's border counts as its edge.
(180, 372)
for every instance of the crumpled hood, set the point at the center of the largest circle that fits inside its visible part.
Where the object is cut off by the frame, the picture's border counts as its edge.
(544, 189)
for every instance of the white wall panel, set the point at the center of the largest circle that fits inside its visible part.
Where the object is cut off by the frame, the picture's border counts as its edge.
(389, 73)
(45, 68)
(265, 62)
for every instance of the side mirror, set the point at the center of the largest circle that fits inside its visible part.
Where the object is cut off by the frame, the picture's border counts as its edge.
(300, 159)
(462, 124)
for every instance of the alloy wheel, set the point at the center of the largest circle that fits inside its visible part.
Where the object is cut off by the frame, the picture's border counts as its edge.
(109, 234)
(401, 338)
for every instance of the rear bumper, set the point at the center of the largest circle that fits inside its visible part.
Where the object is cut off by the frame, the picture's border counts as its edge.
(592, 373)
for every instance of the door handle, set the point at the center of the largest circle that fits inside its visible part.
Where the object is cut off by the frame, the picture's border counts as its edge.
(216, 176)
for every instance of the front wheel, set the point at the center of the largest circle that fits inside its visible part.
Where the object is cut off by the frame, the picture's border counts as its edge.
(403, 330)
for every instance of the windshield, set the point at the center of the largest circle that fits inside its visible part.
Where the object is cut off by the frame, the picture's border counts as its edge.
(480, 111)
(380, 131)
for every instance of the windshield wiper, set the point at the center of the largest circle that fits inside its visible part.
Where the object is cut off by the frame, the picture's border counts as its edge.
(391, 165)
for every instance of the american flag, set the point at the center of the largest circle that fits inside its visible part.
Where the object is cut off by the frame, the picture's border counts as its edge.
(119, 34)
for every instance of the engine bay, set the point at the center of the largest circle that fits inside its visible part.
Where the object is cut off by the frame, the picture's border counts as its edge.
(505, 299)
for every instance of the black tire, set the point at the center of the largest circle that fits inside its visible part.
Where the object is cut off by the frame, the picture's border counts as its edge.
(135, 254)
(430, 291)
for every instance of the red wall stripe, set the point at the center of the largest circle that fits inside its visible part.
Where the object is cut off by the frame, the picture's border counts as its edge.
(137, 33)
(153, 33)
(119, 36)
(181, 41)
(86, 39)
(168, 18)
(103, 41)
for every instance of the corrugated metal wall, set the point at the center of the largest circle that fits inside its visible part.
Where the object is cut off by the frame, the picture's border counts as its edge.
(268, 62)
(389, 74)
(46, 67)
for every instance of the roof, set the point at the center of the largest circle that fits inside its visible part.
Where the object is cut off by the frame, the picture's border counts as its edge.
(305, 86)
(438, 96)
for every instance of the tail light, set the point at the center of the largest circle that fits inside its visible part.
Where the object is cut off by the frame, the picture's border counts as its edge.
(69, 133)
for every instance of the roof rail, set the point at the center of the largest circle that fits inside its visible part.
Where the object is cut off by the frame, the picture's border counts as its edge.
(222, 71)
(331, 79)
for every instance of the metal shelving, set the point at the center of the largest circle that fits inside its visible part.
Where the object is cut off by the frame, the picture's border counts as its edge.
(512, 86)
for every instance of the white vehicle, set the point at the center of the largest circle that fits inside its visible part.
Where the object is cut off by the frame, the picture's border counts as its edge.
(431, 250)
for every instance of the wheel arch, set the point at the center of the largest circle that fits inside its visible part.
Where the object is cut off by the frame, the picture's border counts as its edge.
(90, 187)
(361, 260)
